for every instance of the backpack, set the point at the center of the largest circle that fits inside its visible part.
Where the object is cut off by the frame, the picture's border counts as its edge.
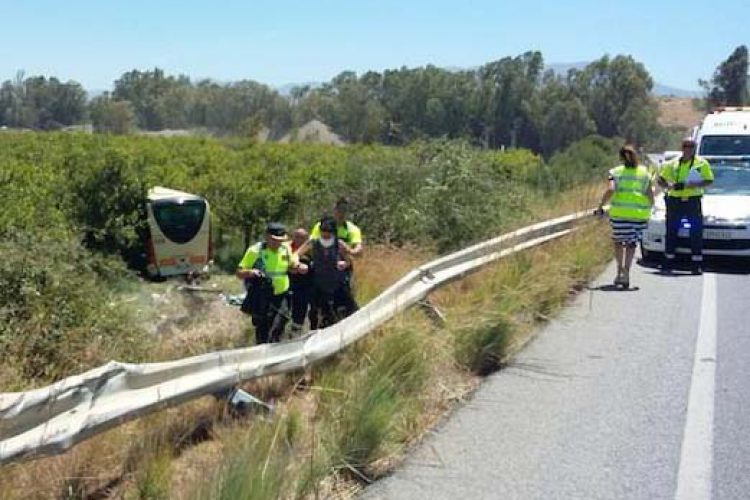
(258, 289)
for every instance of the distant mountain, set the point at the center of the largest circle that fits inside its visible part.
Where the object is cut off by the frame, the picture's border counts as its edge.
(665, 90)
(563, 68)
(286, 89)
(96, 92)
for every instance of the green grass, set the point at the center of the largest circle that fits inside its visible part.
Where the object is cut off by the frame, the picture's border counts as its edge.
(259, 471)
(481, 347)
(153, 480)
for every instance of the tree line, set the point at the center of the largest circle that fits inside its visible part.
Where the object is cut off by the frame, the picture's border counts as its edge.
(511, 102)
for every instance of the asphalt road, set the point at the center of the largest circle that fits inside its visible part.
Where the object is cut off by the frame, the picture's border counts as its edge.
(642, 394)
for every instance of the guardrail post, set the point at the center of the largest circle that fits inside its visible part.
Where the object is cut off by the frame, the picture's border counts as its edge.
(431, 310)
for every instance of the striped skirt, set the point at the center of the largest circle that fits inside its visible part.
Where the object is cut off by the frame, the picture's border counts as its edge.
(627, 231)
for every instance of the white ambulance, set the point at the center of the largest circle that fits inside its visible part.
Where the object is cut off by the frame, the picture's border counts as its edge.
(725, 134)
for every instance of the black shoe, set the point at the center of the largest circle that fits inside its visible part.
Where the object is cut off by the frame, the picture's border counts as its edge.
(666, 267)
(697, 269)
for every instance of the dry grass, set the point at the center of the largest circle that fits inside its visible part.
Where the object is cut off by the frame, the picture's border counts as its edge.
(111, 463)
(679, 112)
(524, 290)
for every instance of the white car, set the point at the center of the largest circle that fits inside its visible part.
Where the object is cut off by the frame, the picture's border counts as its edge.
(726, 215)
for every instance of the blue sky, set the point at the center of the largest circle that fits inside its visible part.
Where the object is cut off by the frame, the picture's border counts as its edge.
(283, 41)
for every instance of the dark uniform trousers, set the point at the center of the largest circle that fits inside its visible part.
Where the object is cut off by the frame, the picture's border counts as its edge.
(691, 210)
(301, 292)
(270, 317)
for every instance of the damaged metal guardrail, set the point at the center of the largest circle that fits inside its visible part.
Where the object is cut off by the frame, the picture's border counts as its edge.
(52, 419)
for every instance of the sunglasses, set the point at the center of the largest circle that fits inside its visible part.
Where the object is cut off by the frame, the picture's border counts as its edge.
(688, 145)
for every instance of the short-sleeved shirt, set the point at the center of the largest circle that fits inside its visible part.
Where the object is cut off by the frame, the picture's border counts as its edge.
(276, 264)
(347, 232)
(679, 170)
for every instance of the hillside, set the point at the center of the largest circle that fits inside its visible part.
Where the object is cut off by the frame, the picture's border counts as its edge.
(678, 112)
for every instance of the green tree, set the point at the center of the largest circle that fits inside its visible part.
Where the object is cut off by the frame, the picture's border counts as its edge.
(41, 103)
(615, 91)
(111, 116)
(565, 122)
(145, 90)
(729, 84)
(502, 101)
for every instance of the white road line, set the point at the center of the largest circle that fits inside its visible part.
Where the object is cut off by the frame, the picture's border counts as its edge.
(694, 479)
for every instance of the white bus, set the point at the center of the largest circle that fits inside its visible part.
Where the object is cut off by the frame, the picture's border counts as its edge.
(179, 240)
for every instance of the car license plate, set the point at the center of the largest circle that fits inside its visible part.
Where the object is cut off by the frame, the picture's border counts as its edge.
(715, 234)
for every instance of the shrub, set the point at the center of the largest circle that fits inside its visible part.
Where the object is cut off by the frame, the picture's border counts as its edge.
(584, 161)
(58, 316)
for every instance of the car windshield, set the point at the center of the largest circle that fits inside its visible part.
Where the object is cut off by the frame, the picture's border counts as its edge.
(725, 145)
(730, 179)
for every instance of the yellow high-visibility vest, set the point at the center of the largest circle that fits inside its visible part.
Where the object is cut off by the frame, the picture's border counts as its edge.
(347, 232)
(678, 171)
(276, 264)
(630, 201)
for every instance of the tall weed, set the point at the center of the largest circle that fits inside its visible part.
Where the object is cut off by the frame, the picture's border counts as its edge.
(481, 346)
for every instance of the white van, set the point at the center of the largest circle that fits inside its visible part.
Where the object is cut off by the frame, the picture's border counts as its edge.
(725, 134)
(179, 241)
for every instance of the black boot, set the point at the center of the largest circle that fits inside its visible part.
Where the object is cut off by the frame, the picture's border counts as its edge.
(667, 266)
(697, 268)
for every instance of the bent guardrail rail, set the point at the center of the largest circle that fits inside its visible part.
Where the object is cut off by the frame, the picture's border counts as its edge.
(52, 419)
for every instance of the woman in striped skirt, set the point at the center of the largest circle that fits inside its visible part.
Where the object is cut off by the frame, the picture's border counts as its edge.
(631, 195)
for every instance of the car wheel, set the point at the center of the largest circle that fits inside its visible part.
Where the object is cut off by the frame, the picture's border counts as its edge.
(647, 256)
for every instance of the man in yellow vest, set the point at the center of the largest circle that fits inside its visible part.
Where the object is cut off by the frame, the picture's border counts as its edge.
(685, 180)
(265, 268)
(631, 193)
(346, 231)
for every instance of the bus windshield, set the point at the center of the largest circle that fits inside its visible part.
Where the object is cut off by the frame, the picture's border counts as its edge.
(725, 145)
(179, 222)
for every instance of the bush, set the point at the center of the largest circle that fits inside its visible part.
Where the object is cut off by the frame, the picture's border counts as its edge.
(107, 201)
(583, 162)
(58, 317)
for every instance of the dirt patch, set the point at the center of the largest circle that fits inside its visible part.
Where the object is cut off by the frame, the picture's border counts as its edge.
(679, 112)
(313, 131)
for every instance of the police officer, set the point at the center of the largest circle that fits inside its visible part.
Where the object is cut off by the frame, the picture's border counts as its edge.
(632, 196)
(685, 180)
(266, 265)
(346, 231)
